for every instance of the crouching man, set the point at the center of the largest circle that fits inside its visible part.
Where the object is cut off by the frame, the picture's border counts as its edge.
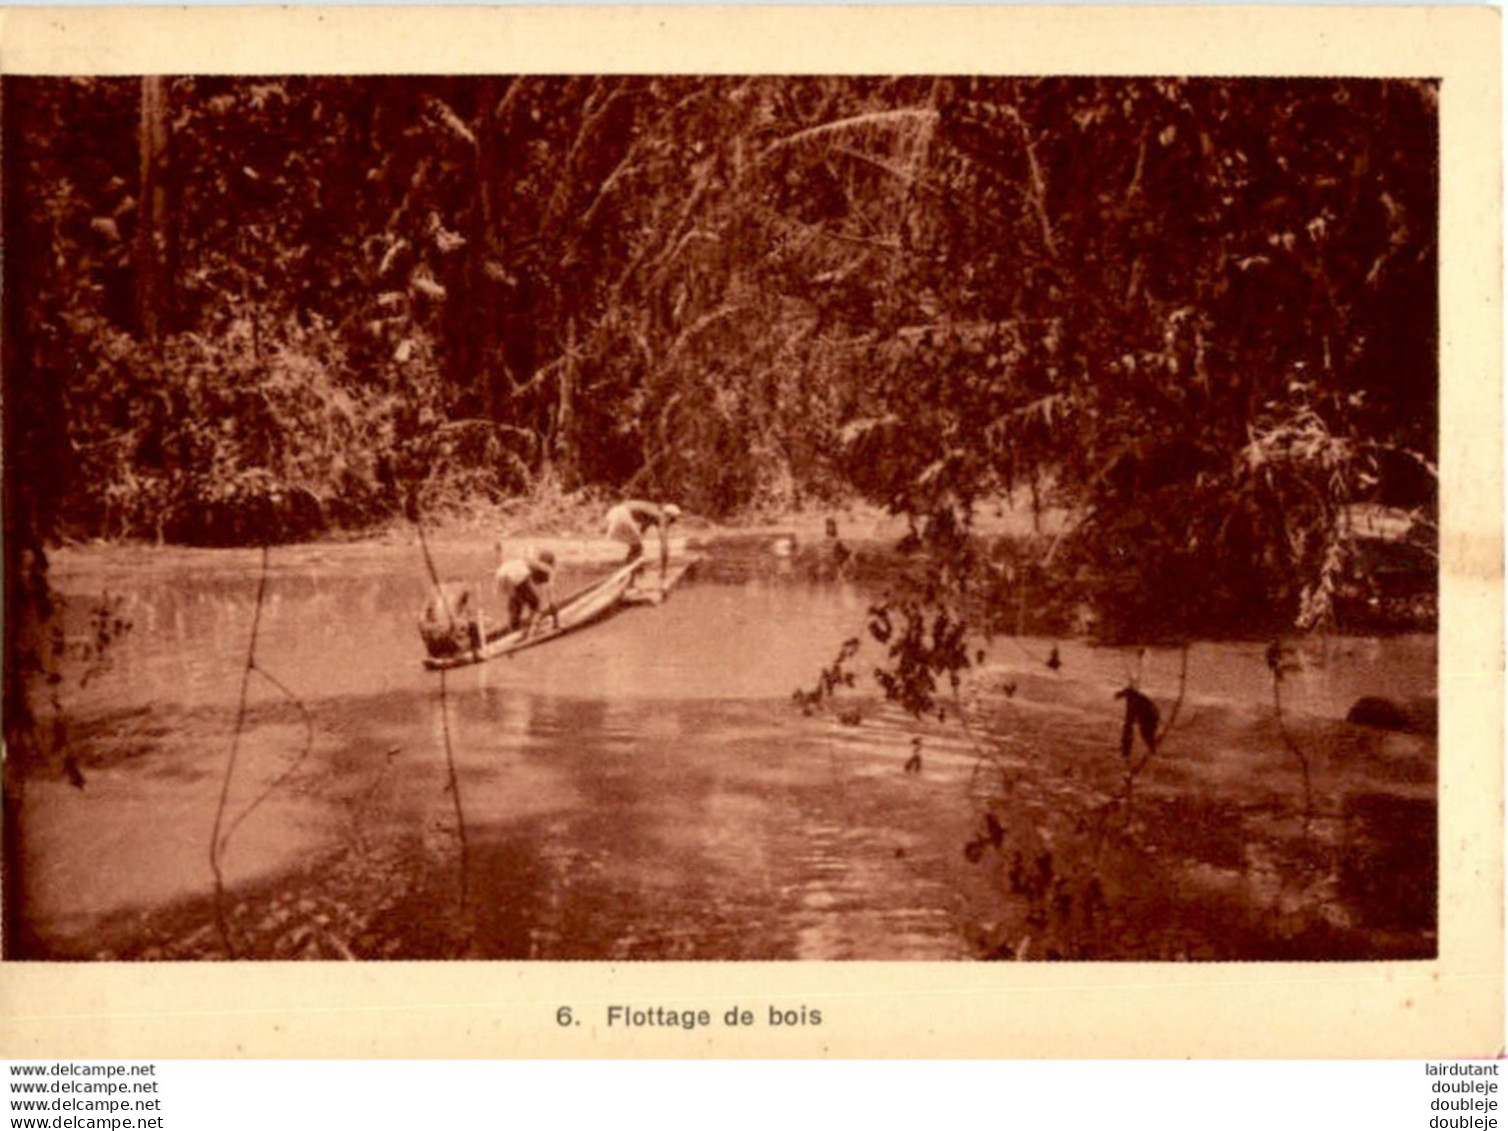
(452, 620)
(528, 585)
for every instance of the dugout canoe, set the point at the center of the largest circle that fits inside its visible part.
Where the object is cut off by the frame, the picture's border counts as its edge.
(637, 583)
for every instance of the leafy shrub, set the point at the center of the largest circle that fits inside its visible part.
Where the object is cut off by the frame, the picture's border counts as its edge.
(255, 431)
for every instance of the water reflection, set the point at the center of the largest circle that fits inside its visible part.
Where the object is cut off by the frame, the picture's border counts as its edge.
(643, 789)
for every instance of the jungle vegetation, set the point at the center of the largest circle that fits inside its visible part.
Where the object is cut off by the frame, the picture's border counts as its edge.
(1197, 317)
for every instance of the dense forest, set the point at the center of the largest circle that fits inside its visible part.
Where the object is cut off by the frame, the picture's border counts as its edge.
(1198, 317)
(1187, 327)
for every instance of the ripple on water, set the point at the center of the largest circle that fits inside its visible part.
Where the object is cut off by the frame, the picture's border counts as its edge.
(644, 789)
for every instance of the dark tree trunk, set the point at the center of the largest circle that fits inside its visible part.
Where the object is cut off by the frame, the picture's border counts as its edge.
(153, 278)
(34, 479)
(492, 374)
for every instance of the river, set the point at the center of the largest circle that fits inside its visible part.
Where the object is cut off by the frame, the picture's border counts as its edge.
(642, 789)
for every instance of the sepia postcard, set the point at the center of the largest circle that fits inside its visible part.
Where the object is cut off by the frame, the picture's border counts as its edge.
(730, 532)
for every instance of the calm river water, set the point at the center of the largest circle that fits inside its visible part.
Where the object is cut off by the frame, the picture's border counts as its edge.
(645, 788)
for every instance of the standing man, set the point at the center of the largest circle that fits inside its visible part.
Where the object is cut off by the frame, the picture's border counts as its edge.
(529, 586)
(628, 521)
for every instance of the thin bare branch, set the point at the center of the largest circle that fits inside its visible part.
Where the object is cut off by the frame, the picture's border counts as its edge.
(1038, 182)
(292, 767)
(454, 788)
(216, 846)
(452, 121)
(1293, 747)
(904, 116)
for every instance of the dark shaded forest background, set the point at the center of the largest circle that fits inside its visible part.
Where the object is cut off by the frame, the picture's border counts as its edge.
(1198, 317)
(1188, 326)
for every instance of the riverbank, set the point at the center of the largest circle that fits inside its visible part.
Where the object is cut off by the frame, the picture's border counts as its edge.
(1393, 590)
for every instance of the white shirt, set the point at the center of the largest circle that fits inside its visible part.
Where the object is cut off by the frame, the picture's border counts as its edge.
(512, 574)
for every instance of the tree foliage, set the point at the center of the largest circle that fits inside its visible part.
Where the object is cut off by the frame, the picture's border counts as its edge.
(1197, 316)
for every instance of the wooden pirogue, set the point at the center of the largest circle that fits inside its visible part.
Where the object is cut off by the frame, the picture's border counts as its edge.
(637, 583)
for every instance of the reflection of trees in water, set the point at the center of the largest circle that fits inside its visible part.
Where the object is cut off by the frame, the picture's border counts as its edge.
(331, 634)
(608, 825)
